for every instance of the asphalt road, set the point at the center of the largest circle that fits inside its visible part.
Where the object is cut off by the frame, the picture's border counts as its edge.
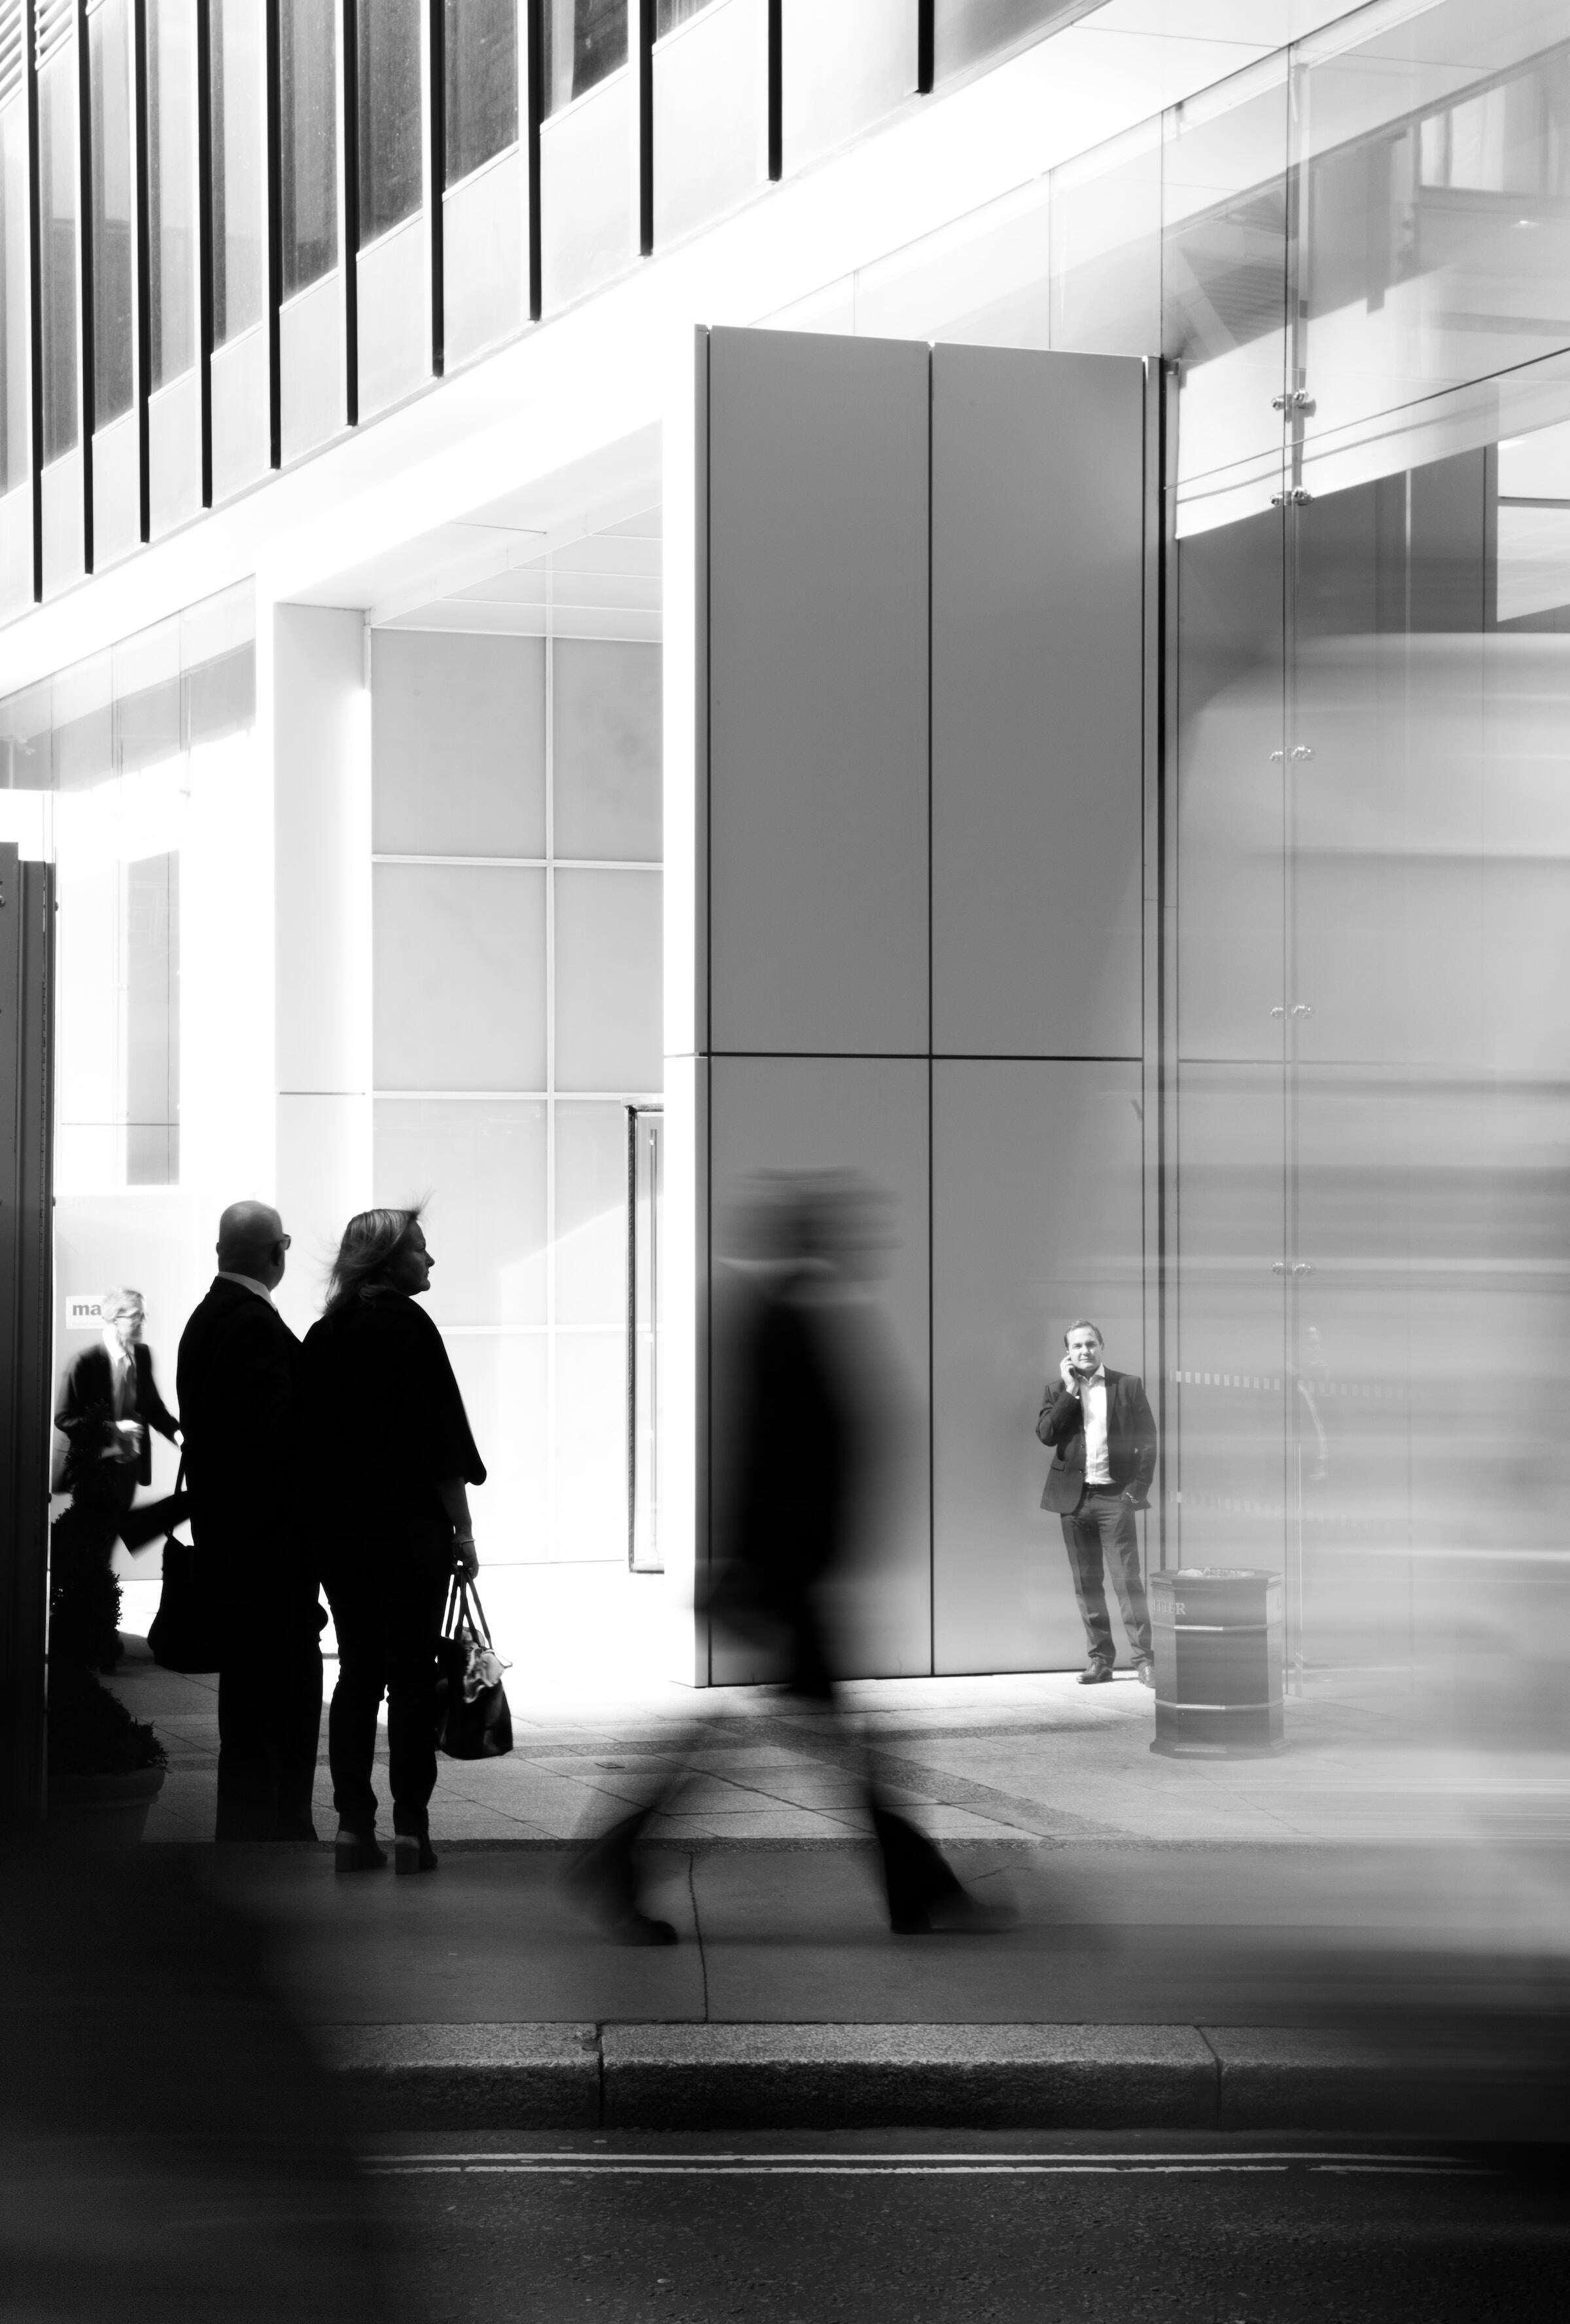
(999, 2229)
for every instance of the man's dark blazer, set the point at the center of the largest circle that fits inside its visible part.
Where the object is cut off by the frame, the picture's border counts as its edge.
(87, 1415)
(1131, 1441)
(236, 1376)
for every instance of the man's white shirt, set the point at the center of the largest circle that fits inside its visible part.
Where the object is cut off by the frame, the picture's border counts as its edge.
(227, 1275)
(1093, 1405)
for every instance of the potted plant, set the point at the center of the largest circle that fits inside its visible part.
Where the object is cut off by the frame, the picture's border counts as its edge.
(105, 1768)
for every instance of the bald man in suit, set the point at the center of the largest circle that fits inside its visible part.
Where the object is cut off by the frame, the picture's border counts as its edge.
(236, 1376)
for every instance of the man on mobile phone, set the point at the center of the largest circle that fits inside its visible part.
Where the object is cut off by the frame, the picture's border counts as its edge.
(1100, 1425)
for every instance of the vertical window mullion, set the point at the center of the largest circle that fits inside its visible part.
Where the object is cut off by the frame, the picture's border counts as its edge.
(436, 168)
(143, 262)
(87, 374)
(644, 127)
(535, 48)
(274, 154)
(205, 253)
(349, 201)
(35, 293)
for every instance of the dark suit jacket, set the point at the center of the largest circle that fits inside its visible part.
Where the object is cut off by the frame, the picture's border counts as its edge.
(236, 1376)
(87, 1415)
(1131, 1441)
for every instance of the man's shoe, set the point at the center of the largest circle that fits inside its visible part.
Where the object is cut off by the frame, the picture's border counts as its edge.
(1095, 1673)
(1145, 1672)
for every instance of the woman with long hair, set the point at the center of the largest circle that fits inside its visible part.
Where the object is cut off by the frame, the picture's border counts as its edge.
(392, 1455)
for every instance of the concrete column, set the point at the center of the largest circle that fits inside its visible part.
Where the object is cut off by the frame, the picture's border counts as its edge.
(317, 701)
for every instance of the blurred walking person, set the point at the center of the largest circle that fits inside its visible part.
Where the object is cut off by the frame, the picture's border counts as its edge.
(391, 1456)
(238, 1389)
(810, 1468)
(109, 1402)
(1103, 1438)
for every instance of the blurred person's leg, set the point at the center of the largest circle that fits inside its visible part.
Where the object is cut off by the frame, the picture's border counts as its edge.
(357, 1619)
(1082, 1540)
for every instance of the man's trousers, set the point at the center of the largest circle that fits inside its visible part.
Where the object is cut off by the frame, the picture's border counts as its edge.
(1101, 1531)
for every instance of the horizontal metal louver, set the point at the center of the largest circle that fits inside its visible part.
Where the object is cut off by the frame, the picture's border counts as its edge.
(13, 38)
(52, 28)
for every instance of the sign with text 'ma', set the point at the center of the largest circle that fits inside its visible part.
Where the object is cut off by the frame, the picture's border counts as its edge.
(84, 1310)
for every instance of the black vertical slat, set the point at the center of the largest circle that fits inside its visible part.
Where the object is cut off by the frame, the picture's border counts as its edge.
(206, 257)
(274, 237)
(87, 398)
(776, 90)
(35, 298)
(143, 262)
(644, 127)
(350, 243)
(533, 20)
(926, 46)
(439, 104)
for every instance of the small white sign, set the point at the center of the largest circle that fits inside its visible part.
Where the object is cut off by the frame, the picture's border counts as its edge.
(84, 1311)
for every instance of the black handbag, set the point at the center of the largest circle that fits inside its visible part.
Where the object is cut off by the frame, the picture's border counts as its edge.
(474, 1720)
(183, 1634)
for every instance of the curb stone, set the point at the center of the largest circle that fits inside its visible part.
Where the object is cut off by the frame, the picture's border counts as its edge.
(705, 2076)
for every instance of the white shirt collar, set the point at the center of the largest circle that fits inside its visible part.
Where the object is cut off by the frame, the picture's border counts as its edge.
(117, 1354)
(227, 1275)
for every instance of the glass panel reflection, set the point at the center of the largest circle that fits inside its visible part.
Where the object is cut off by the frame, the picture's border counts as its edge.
(392, 171)
(239, 182)
(57, 199)
(171, 187)
(481, 71)
(308, 163)
(459, 977)
(109, 66)
(480, 1167)
(607, 742)
(585, 40)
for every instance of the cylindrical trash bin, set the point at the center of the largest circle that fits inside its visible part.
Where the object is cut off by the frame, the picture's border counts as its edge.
(1218, 1637)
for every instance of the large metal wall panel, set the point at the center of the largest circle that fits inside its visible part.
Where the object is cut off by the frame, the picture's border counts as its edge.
(868, 1117)
(1038, 574)
(1036, 1221)
(818, 692)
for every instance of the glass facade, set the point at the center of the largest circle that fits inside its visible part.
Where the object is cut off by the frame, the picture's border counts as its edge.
(171, 187)
(16, 369)
(481, 83)
(58, 222)
(237, 88)
(113, 179)
(389, 82)
(585, 42)
(308, 160)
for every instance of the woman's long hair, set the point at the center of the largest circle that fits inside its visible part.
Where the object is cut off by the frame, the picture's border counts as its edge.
(372, 1241)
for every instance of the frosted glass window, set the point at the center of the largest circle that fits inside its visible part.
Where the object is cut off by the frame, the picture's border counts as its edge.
(59, 190)
(482, 70)
(608, 982)
(965, 30)
(606, 714)
(16, 369)
(391, 171)
(502, 1378)
(457, 728)
(590, 1246)
(590, 1445)
(307, 41)
(237, 74)
(171, 186)
(109, 68)
(459, 981)
(482, 1165)
(584, 41)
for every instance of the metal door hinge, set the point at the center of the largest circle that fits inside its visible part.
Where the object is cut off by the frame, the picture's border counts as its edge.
(1296, 398)
(1296, 498)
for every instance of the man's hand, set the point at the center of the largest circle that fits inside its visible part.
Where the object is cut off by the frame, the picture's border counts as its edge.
(1071, 1377)
(465, 1556)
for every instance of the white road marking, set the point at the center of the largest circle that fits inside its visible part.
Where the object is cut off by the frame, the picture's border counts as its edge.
(566, 2166)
